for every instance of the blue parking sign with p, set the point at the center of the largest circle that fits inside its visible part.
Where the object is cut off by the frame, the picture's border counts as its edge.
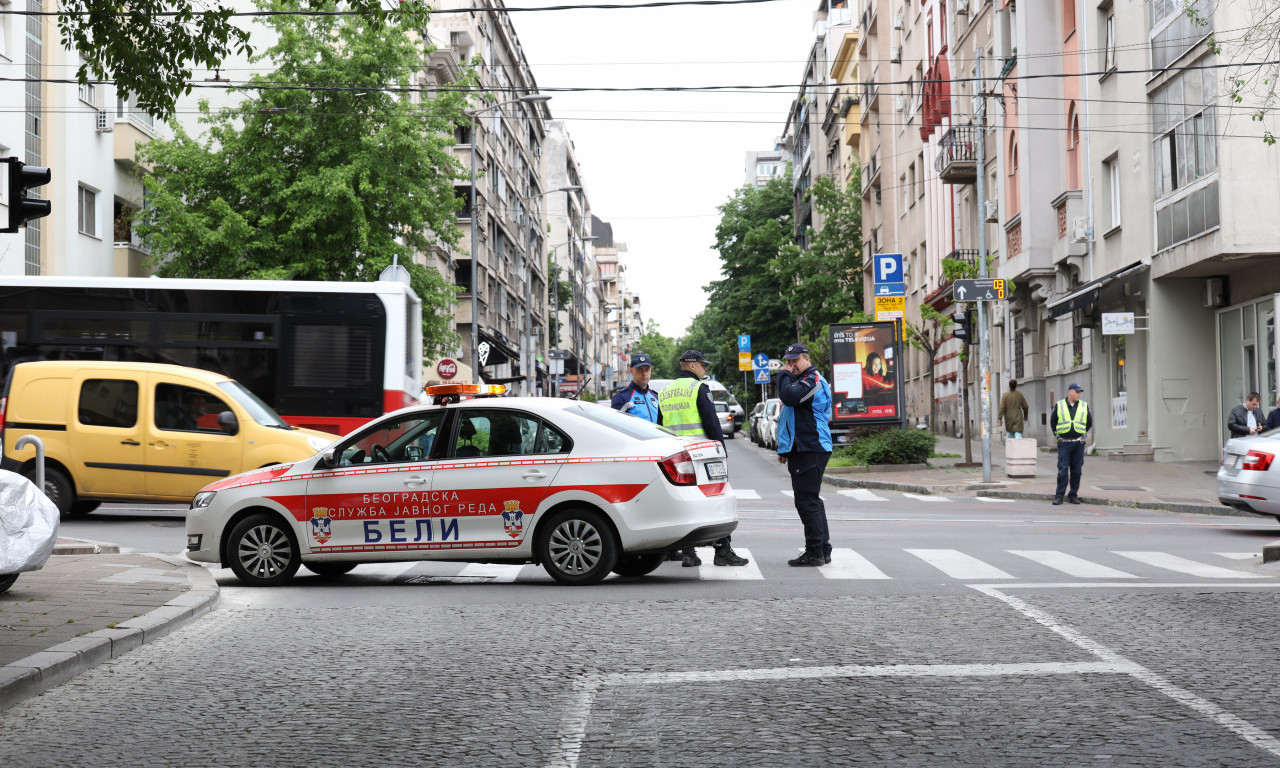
(744, 343)
(888, 268)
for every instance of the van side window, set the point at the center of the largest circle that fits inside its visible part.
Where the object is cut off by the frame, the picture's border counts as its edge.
(108, 403)
(187, 409)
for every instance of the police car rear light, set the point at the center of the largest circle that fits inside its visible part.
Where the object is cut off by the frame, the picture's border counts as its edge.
(679, 469)
(1259, 461)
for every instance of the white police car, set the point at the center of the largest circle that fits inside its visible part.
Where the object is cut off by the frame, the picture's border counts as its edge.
(583, 490)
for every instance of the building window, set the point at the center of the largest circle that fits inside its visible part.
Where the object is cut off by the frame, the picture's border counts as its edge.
(88, 201)
(920, 180)
(1111, 180)
(1185, 150)
(1073, 147)
(1177, 26)
(1068, 19)
(88, 93)
(1077, 344)
(1108, 26)
(1018, 352)
(1119, 382)
(1011, 190)
(906, 194)
(910, 197)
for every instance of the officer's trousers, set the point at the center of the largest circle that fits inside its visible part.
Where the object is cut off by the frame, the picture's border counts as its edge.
(806, 469)
(1070, 464)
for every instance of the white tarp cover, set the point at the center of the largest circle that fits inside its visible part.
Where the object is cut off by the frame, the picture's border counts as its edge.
(28, 525)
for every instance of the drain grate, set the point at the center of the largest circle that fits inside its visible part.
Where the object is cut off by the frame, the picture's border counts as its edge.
(1122, 488)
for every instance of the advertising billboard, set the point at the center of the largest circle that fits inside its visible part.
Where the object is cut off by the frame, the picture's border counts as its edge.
(864, 373)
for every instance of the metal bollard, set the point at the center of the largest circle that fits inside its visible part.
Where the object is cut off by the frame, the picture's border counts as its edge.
(23, 442)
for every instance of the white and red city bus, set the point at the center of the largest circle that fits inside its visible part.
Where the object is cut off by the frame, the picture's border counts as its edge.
(324, 355)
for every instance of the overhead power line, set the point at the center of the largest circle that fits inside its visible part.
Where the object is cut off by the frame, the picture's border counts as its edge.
(434, 12)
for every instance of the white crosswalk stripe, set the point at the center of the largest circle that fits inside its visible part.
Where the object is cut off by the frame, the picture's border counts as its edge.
(1071, 565)
(847, 564)
(1238, 555)
(861, 494)
(992, 500)
(746, 494)
(1183, 565)
(921, 497)
(792, 494)
(385, 572)
(958, 565)
(494, 572)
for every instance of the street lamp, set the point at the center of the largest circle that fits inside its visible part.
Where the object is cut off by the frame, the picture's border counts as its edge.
(475, 288)
(527, 351)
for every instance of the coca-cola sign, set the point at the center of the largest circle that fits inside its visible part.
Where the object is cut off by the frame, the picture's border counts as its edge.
(447, 368)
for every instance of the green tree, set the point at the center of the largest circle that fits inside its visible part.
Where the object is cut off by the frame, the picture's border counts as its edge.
(824, 283)
(301, 184)
(149, 47)
(754, 224)
(661, 349)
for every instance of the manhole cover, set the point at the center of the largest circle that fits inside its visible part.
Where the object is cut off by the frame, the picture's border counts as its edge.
(1121, 488)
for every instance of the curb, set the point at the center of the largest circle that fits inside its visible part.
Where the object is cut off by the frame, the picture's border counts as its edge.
(996, 490)
(84, 547)
(47, 669)
(1271, 552)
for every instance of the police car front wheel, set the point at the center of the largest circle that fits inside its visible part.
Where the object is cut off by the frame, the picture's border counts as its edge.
(576, 546)
(263, 552)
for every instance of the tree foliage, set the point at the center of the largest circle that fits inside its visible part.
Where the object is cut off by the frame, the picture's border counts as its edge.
(661, 349)
(754, 224)
(824, 283)
(1253, 79)
(149, 47)
(300, 184)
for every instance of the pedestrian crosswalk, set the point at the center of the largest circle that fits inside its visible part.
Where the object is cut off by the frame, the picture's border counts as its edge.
(856, 494)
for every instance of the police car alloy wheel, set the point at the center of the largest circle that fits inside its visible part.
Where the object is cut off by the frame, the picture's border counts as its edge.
(576, 546)
(262, 551)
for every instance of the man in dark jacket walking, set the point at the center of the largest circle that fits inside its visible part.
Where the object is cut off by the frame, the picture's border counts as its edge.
(1244, 419)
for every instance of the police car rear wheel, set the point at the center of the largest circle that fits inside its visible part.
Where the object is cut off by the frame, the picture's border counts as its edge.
(631, 566)
(263, 552)
(576, 546)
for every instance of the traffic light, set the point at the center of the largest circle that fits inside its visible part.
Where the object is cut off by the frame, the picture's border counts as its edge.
(22, 208)
(963, 329)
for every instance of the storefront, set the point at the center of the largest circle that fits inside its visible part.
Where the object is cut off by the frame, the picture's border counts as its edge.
(1247, 355)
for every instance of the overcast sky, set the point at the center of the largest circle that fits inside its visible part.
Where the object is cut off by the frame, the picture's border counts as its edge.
(656, 165)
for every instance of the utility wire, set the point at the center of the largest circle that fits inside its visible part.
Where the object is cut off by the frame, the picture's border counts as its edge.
(433, 12)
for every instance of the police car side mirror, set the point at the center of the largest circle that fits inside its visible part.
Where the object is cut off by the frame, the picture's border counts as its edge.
(329, 458)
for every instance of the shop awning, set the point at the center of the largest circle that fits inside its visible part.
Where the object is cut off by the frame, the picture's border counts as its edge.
(1088, 293)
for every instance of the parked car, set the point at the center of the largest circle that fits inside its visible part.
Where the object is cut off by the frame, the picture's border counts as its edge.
(28, 528)
(769, 431)
(756, 413)
(1249, 478)
(726, 420)
(118, 431)
(580, 489)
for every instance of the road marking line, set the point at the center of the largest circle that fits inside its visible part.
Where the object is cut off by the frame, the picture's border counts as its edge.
(861, 494)
(847, 564)
(383, 571)
(993, 500)
(921, 497)
(958, 565)
(494, 572)
(1234, 723)
(792, 494)
(746, 493)
(709, 571)
(1238, 555)
(1183, 565)
(1071, 565)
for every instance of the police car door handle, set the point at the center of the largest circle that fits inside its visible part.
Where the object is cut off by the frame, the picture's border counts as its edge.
(534, 474)
(415, 480)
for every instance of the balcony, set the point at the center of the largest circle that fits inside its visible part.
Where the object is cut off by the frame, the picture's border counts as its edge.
(957, 161)
(967, 255)
(870, 94)
(871, 172)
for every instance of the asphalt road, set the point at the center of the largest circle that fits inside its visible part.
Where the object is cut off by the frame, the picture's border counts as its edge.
(950, 631)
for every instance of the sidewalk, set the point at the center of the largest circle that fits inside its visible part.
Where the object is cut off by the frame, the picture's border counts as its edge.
(89, 604)
(1186, 486)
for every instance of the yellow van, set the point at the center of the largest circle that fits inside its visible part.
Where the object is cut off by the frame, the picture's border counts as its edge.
(139, 431)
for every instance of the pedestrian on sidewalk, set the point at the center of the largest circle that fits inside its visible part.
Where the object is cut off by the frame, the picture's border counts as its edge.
(1013, 411)
(804, 445)
(1070, 421)
(1243, 420)
(1273, 418)
(687, 410)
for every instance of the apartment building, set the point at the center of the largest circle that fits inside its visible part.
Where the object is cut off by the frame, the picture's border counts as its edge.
(763, 165)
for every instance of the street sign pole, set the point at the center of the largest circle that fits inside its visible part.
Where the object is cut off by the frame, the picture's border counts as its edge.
(984, 347)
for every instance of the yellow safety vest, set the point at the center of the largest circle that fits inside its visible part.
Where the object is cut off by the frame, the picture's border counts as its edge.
(678, 402)
(1068, 424)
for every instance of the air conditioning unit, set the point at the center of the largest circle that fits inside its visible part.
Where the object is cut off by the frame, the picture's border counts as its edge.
(898, 22)
(895, 54)
(992, 211)
(105, 122)
(900, 103)
(1079, 230)
(1214, 292)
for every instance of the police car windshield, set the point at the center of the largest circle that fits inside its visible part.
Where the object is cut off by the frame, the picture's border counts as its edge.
(640, 429)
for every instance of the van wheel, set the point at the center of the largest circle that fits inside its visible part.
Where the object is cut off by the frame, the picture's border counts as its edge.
(58, 488)
(576, 546)
(262, 551)
(7, 581)
(83, 507)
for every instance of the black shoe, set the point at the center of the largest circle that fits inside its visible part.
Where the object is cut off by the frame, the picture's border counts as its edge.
(807, 560)
(1057, 501)
(1073, 500)
(691, 559)
(726, 556)
(826, 559)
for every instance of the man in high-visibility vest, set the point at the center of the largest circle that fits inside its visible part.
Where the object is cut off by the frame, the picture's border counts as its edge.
(687, 410)
(1070, 421)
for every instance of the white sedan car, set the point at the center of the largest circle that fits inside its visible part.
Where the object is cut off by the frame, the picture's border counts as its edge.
(1249, 477)
(582, 490)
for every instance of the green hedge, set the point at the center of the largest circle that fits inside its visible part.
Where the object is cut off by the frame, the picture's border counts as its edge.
(895, 446)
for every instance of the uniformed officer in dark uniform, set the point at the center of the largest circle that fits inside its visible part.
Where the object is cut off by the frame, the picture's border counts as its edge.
(636, 399)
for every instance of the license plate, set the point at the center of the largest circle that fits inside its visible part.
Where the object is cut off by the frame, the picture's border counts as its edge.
(716, 471)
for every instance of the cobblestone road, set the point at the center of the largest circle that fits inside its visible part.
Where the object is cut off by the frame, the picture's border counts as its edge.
(959, 679)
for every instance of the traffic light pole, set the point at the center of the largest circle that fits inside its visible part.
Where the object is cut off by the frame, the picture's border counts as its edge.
(984, 346)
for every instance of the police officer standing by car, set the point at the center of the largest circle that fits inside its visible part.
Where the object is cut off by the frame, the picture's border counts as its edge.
(804, 445)
(1070, 421)
(687, 410)
(636, 399)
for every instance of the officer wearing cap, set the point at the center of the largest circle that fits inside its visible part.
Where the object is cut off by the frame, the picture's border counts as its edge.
(1069, 422)
(804, 445)
(636, 398)
(687, 410)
